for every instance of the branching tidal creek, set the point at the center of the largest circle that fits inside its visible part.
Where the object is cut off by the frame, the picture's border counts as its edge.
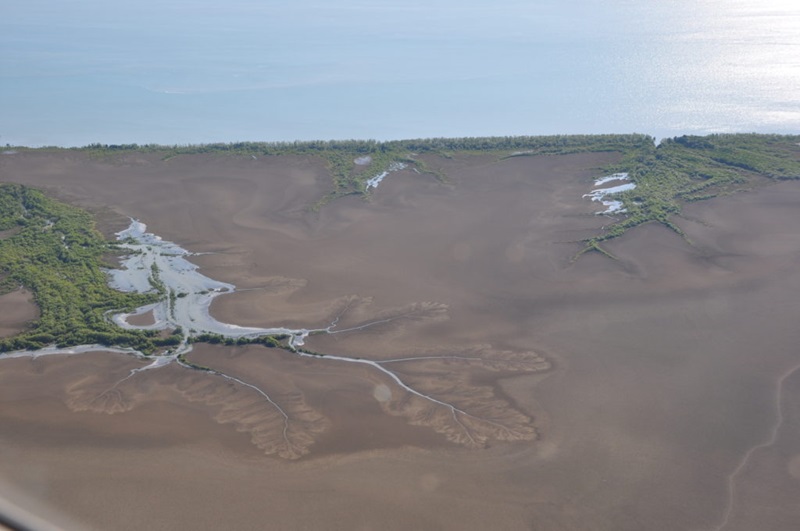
(186, 295)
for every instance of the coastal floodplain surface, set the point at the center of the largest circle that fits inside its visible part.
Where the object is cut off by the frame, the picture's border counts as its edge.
(467, 371)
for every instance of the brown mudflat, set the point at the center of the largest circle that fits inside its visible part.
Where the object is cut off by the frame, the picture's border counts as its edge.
(638, 394)
(17, 310)
(145, 319)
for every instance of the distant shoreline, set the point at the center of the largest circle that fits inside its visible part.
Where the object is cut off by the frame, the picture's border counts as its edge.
(12, 149)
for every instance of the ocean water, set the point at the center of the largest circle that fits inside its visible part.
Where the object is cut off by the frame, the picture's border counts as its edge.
(179, 71)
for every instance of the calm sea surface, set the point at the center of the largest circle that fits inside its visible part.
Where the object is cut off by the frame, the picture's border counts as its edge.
(180, 71)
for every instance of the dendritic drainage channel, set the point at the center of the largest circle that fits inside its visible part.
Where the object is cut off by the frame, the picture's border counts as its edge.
(430, 388)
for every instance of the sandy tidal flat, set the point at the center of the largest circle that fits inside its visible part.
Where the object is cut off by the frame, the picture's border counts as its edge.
(663, 398)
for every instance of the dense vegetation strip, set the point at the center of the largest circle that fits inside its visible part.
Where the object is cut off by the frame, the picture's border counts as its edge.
(694, 168)
(56, 252)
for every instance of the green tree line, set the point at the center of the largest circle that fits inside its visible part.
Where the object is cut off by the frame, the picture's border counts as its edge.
(56, 253)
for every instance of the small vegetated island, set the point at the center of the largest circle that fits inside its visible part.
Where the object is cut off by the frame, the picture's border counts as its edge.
(54, 250)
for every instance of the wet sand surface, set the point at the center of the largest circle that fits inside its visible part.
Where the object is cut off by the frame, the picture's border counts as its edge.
(652, 402)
